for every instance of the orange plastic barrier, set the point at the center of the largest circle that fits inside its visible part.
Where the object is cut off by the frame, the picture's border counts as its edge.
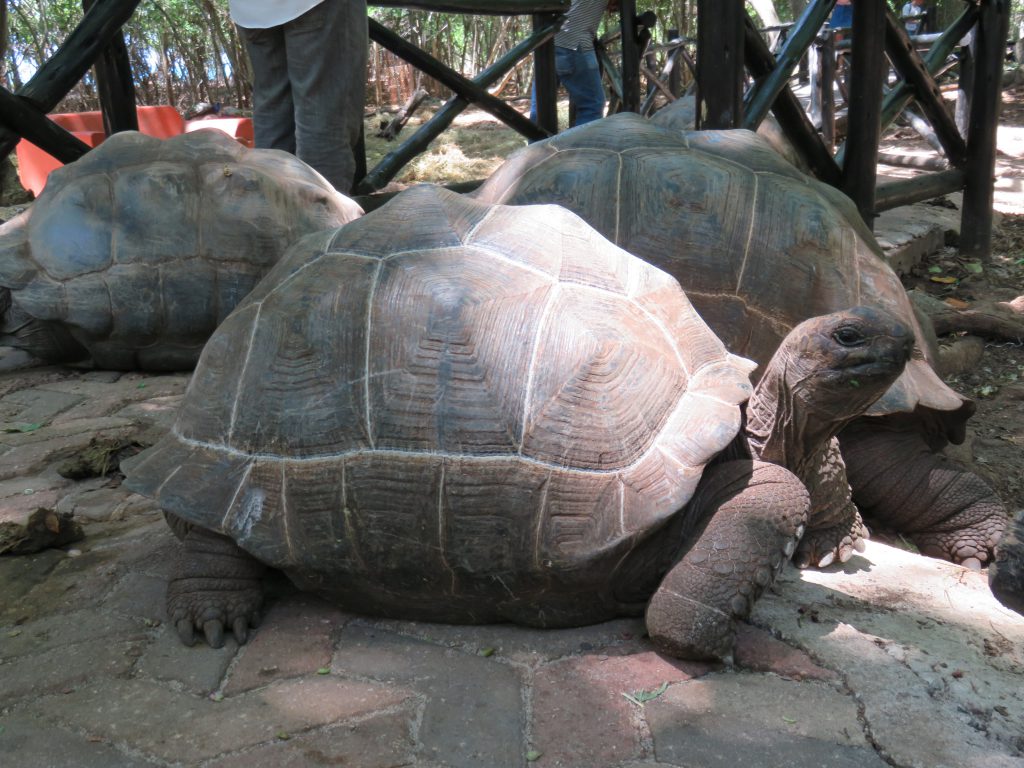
(34, 165)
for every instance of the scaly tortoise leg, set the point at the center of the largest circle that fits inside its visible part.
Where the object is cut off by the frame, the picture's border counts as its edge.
(835, 529)
(755, 514)
(216, 585)
(898, 481)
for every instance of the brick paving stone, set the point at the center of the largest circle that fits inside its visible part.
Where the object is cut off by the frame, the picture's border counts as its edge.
(64, 629)
(139, 595)
(74, 583)
(64, 668)
(473, 715)
(104, 503)
(525, 645)
(17, 486)
(758, 651)
(199, 669)
(19, 576)
(36, 406)
(156, 414)
(27, 743)
(580, 716)
(103, 399)
(729, 719)
(382, 741)
(174, 726)
(296, 637)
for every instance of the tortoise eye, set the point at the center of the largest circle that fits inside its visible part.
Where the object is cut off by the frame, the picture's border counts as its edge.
(848, 336)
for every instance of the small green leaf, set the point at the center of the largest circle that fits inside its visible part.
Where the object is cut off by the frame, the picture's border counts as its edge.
(854, 383)
(986, 390)
(641, 696)
(935, 270)
(790, 720)
(324, 671)
(22, 427)
(216, 696)
(533, 756)
(974, 266)
(142, 385)
(283, 735)
(486, 652)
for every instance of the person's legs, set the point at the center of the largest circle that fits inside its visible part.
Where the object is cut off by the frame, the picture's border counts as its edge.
(274, 113)
(581, 77)
(327, 52)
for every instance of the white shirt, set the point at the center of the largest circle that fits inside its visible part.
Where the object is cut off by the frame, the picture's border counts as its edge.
(261, 14)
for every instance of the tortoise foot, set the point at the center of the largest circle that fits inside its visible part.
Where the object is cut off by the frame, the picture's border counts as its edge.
(971, 547)
(216, 589)
(687, 629)
(821, 547)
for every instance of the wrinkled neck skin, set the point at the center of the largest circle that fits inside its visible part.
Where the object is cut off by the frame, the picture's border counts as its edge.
(790, 419)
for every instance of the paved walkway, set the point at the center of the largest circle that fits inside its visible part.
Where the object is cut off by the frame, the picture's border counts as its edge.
(893, 660)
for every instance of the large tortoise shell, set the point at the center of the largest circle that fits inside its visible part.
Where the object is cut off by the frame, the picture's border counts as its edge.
(143, 246)
(757, 245)
(443, 391)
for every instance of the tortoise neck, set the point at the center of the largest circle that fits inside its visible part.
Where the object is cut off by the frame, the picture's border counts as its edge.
(782, 426)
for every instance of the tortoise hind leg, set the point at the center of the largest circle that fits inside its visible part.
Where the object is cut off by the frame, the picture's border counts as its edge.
(755, 514)
(47, 341)
(215, 586)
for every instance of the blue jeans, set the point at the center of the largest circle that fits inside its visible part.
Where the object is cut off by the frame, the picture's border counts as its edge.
(309, 85)
(579, 73)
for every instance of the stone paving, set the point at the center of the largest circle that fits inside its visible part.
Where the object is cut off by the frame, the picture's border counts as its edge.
(893, 659)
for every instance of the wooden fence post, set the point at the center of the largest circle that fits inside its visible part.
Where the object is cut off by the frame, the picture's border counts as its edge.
(720, 41)
(115, 85)
(545, 79)
(867, 72)
(986, 98)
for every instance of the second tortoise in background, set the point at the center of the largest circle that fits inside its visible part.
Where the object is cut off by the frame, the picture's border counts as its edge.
(759, 247)
(133, 254)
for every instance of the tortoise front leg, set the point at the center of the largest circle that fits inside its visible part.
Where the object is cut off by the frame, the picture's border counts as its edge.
(216, 585)
(835, 529)
(755, 514)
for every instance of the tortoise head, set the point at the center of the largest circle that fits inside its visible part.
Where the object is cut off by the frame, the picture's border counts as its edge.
(826, 372)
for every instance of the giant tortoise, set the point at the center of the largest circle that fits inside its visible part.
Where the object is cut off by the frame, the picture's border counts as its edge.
(133, 254)
(451, 411)
(758, 247)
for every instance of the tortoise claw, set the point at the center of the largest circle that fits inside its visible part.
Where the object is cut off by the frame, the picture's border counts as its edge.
(240, 629)
(186, 632)
(214, 632)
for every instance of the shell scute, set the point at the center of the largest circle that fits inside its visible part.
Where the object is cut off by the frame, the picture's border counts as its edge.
(452, 335)
(302, 384)
(155, 207)
(79, 213)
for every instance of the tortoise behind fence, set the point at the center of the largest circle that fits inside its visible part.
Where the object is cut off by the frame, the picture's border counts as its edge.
(759, 247)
